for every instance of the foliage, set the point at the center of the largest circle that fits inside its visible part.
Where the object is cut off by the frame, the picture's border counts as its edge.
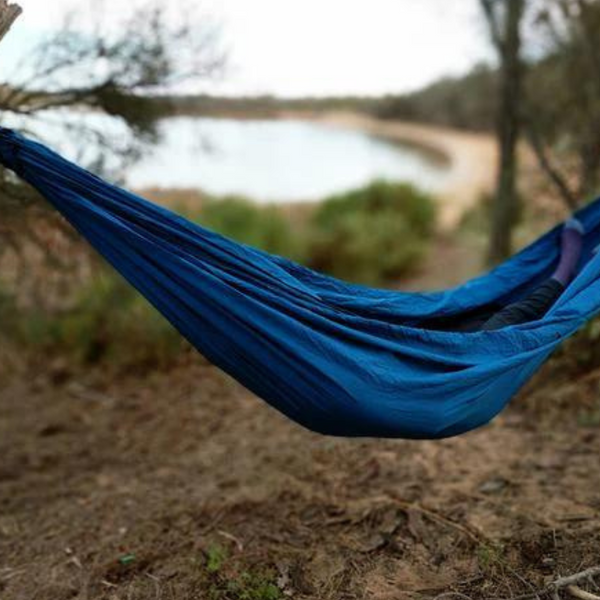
(109, 323)
(244, 585)
(490, 558)
(253, 586)
(113, 64)
(370, 235)
(468, 102)
(373, 234)
(247, 586)
(215, 558)
(262, 106)
(263, 227)
(116, 65)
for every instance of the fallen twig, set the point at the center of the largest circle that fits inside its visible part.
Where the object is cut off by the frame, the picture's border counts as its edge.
(469, 532)
(568, 583)
(564, 582)
(577, 592)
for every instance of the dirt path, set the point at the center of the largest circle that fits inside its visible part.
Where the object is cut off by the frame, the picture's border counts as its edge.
(471, 157)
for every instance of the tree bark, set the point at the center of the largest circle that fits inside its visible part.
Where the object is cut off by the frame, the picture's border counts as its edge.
(506, 34)
(8, 15)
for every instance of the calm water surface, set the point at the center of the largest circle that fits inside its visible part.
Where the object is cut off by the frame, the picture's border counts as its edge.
(283, 160)
(266, 160)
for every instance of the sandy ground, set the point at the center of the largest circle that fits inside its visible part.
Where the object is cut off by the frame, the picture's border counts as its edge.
(123, 489)
(471, 157)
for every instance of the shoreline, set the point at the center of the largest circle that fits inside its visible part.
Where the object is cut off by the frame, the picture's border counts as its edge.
(471, 157)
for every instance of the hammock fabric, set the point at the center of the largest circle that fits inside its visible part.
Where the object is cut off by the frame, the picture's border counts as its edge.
(339, 359)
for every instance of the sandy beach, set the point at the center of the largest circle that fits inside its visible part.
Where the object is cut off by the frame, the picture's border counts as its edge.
(471, 157)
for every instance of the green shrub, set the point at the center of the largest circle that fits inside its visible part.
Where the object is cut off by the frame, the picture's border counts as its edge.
(369, 235)
(109, 323)
(373, 234)
(263, 227)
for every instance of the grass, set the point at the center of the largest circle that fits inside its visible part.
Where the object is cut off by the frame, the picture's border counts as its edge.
(247, 585)
(215, 559)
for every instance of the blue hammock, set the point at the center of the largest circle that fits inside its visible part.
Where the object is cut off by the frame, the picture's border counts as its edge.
(339, 359)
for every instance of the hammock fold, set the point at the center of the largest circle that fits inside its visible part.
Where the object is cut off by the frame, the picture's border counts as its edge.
(339, 359)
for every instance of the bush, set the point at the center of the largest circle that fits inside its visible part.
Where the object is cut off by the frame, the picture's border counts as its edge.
(263, 227)
(369, 235)
(110, 323)
(373, 234)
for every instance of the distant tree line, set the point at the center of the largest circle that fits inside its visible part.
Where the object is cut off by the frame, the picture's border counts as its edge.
(260, 106)
(468, 102)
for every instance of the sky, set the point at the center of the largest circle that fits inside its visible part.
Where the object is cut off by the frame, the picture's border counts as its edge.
(311, 47)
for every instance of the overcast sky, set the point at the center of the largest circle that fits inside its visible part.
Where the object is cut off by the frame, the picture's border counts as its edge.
(314, 47)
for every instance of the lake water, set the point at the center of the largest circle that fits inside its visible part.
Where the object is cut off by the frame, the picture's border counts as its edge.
(277, 160)
(266, 160)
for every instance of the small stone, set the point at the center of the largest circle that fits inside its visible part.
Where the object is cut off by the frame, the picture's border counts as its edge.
(493, 486)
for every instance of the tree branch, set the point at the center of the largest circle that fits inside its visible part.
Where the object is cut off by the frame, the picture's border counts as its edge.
(8, 15)
(545, 163)
(492, 19)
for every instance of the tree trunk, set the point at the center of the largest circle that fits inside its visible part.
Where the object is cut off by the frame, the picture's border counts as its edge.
(505, 208)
